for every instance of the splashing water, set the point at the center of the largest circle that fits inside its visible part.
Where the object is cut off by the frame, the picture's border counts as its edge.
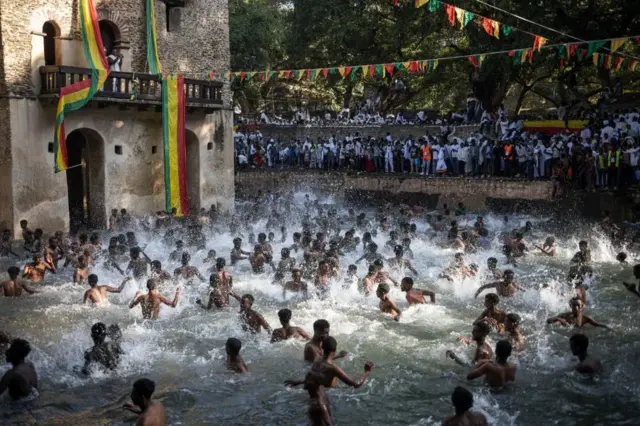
(412, 380)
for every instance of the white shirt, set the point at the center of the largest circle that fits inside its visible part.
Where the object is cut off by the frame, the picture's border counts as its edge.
(586, 133)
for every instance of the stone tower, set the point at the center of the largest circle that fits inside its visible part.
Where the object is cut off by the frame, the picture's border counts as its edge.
(116, 140)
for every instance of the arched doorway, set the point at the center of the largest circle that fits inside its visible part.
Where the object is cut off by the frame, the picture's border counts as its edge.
(193, 171)
(85, 180)
(51, 32)
(110, 35)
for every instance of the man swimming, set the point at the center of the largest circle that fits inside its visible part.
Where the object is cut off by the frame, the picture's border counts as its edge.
(251, 320)
(497, 373)
(399, 262)
(512, 328)
(82, 270)
(151, 302)
(492, 314)
(325, 374)
(105, 354)
(483, 351)
(221, 283)
(187, 271)
(287, 331)
(506, 287)
(588, 364)
(286, 264)
(296, 285)
(97, 294)
(462, 401)
(549, 247)
(633, 288)
(313, 348)
(151, 412)
(387, 305)
(13, 287)
(493, 270)
(237, 253)
(575, 317)
(35, 271)
(21, 380)
(235, 362)
(415, 296)
(137, 265)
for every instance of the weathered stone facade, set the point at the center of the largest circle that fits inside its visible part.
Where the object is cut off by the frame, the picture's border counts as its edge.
(130, 176)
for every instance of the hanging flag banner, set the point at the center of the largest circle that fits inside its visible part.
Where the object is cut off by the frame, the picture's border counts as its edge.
(153, 59)
(175, 152)
(75, 96)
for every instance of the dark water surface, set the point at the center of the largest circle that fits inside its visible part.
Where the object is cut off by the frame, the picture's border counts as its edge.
(412, 381)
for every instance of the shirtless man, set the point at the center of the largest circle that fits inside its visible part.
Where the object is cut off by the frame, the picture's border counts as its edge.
(633, 288)
(54, 251)
(399, 263)
(105, 354)
(237, 253)
(512, 328)
(549, 247)
(151, 412)
(323, 275)
(251, 320)
(493, 271)
(187, 271)
(35, 271)
(150, 302)
(371, 254)
(415, 296)
(575, 317)
(97, 294)
(221, 283)
(456, 268)
(387, 305)
(82, 270)
(5, 244)
(158, 274)
(296, 284)
(27, 235)
(176, 255)
(369, 281)
(492, 315)
(257, 260)
(325, 374)
(235, 362)
(497, 373)
(13, 287)
(137, 265)
(267, 250)
(479, 336)
(506, 287)
(286, 264)
(21, 380)
(287, 331)
(588, 364)
(582, 257)
(462, 401)
(313, 348)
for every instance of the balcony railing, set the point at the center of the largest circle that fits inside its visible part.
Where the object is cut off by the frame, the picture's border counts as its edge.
(120, 87)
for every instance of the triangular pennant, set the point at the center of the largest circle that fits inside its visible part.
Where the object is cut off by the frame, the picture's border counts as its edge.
(406, 66)
(243, 75)
(617, 43)
(333, 71)
(420, 3)
(301, 74)
(390, 68)
(596, 58)
(451, 13)
(606, 61)
(582, 54)
(228, 76)
(562, 50)
(481, 59)
(354, 71)
(434, 5)
(524, 55)
(460, 16)
(342, 71)
(435, 63)
(347, 71)
(413, 67)
(365, 70)
(261, 76)
(538, 42)
(572, 49)
(212, 75)
(496, 29)
(593, 47)
(429, 65)
(473, 60)
(288, 73)
(618, 63)
(376, 69)
(325, 72)
(506, 30)
(271, 75)
(487, 24)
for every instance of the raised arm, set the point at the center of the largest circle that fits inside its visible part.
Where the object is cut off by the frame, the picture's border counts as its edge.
(344, 378)
(119, 289)
(136, 300)
(264, 323)
(479, 371)
(484, 287)
(176, 298)
(430, 294)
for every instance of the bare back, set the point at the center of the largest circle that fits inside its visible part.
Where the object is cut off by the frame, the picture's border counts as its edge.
(466, 419)
(154, 415)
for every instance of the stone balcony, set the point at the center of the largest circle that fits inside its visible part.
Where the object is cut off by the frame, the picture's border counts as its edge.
(200, 95)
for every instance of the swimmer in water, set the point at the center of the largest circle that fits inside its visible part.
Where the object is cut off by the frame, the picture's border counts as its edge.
(506, 287)
(483, 350)
(97, 294)
(187, 271)
(588, 364)
(150, 302)
(325, 374)
(13, 287)
(512, 328)
(286, 264)
(415, 296)
(35, 271)
(21, 380)
(176, 255)
(492, 315)
(633, 288)
(105, 354)
(575, 317)
(251, 320)
(549, 247)
(369, 281)
(235, 362)
(499, 372)
(257, 260)
(583, 257)
(151, 412)
(399, 263)
(137, 265)
(622, 258)
(387, 305)
(237, 253)
(494, 271)
(287, 331)
(296, 285)
(158, 274)
(313, 348)
(462, 401)
(221, 283)
(82, 270)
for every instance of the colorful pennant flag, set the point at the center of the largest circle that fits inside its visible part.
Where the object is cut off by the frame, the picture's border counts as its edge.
(617, 43)
(473, 61)
(434, 5)
(463, 17)
(451, 13)
(152, 42)
(75, 96)
(175, 152)
(538, 42)
(420, 3)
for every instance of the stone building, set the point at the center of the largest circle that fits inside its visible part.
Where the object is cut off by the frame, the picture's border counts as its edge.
(116, 140)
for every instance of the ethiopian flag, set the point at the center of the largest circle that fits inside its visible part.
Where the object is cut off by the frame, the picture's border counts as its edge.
(175, 152)
(77, 95)
(152, 40)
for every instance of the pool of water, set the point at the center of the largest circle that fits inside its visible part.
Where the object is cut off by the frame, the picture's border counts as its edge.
(183, 351)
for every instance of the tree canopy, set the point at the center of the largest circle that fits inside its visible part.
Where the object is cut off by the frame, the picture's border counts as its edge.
(300, 34)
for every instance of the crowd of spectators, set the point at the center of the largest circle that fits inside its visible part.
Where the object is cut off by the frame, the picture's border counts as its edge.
(605, 153)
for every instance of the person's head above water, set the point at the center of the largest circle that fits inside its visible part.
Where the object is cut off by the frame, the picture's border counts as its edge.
(134, 252)
(151, 284)
(92, 280)
(321, 329)
(382, 290)
(398, 250)
(491, 300)
(329, 347)
(406, 284)
(492, 262)
(285, 253)
(18, 351)
(512, 321)
(480, 331)
(246, 301)
(142, 391)
(579, 344)
(285, 316)
(13, 272)
(233, 346)
(503, 351)
(622, 257)
(98, 333)
(462, 400)
(186, 258)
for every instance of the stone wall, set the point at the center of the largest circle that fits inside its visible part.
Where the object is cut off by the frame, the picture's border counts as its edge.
(302, 132)
(475, 193)
(200, 44)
